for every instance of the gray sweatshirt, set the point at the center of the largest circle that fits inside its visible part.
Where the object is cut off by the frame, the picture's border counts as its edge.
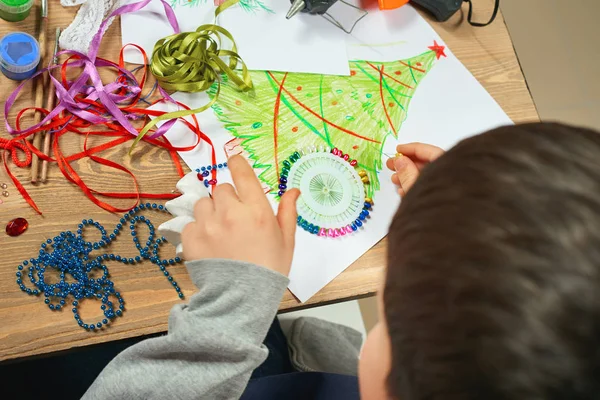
(213, 344)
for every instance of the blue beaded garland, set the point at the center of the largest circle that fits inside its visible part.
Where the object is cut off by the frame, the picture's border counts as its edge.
(69, 254)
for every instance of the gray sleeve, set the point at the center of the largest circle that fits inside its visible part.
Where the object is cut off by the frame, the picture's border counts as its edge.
(213, 344)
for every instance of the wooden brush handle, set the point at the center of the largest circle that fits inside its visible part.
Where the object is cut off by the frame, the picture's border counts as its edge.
(39, 99)
(50, 101)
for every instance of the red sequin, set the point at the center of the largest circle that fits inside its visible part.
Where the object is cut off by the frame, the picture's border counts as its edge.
(16, 227)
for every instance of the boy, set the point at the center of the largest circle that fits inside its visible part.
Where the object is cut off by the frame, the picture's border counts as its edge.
(491, 291)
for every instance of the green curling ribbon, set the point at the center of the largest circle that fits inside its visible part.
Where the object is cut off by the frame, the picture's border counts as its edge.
(193, 62)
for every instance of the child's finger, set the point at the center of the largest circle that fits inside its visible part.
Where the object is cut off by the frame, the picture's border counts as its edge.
(420, 151)
(287, 216)
(224, 196)
(390, 164)
(406, 173)
(248, 187)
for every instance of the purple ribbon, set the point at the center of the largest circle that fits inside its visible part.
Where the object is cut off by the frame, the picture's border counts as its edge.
(107, 94)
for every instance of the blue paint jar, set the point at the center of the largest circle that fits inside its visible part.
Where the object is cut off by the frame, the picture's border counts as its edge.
(19, 56)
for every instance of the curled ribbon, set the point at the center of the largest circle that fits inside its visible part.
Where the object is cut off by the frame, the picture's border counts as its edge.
(193, 62)
(86, 101)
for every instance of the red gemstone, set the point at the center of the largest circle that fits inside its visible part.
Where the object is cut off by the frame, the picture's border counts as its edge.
(16, 227)
(353, 163)
(212, 182)
(200, 177)
(346, 157)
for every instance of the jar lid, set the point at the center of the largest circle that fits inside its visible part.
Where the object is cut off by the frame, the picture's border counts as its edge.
(19, 52)
(15, 6)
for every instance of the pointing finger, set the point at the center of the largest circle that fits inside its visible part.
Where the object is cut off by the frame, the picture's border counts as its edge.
(245, 180)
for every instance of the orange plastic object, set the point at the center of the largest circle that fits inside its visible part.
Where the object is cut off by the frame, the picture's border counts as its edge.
(391, 4)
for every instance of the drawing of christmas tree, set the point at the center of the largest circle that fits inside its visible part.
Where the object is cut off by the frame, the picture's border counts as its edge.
(290, 111)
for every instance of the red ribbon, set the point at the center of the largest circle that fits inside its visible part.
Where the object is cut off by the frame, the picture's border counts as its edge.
(68, 123)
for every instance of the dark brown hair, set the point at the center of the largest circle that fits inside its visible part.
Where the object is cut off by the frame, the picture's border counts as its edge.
(493, 280)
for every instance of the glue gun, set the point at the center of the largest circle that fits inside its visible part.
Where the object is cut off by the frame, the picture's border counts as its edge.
(309, 6)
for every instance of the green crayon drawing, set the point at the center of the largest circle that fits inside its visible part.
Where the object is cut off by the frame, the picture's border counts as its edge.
(291, 111)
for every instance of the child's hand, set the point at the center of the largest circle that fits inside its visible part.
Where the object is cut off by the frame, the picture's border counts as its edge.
(413, 157)
(241, 226)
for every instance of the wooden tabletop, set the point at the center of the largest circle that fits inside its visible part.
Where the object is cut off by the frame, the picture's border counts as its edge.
(28, 327)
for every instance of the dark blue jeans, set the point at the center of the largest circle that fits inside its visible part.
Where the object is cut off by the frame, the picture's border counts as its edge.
(276, 378)
(278, 361)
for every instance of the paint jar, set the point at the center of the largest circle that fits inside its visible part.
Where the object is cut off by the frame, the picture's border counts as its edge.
(15, 10)
(19, 56)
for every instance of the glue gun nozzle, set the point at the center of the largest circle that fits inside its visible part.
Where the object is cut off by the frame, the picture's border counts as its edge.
(297, 6)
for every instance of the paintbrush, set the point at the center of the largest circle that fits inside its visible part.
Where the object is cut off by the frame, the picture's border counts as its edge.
(50, 101)
(39, 90)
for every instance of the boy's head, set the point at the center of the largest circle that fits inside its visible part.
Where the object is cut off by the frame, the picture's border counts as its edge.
(493, 281)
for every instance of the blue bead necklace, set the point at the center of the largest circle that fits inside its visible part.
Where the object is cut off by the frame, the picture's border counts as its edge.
(69, 254)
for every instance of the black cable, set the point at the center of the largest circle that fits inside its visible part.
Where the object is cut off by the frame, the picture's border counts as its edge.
(479, 24)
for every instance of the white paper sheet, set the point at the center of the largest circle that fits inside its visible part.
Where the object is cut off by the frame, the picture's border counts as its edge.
(265, 40)
(181, 136)
(449, 105)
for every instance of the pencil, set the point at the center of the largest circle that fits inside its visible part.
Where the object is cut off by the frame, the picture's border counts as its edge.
(39, 91)
(50, 105)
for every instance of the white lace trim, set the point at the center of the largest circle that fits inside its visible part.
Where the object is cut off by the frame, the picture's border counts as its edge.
(80, 33)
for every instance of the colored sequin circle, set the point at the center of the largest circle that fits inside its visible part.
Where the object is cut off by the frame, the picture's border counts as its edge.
(332, 192)
(332, 201)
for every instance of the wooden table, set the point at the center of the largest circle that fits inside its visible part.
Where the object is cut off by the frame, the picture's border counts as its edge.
(28, 327)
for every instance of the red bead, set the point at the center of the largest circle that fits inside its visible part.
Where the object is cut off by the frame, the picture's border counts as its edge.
(16, 227)
(212, 182)
(346, 157)
(353, 163)
(335, 151)
(341, 155)
(200, 177)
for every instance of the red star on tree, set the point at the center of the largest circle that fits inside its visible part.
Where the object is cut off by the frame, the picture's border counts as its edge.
(439, 50)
